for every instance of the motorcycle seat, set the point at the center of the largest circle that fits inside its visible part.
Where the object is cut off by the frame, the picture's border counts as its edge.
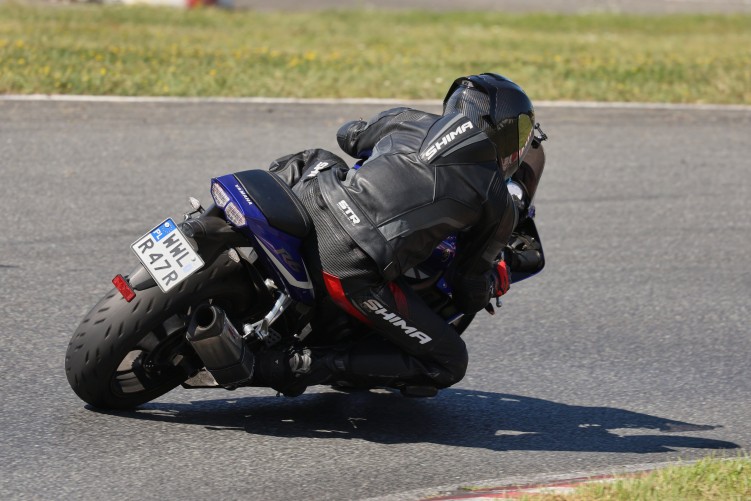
(276, 201)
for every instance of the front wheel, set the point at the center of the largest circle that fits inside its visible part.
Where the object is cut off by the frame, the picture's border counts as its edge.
(125, 354)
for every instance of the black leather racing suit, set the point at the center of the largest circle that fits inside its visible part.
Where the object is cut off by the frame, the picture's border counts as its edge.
(425, 177)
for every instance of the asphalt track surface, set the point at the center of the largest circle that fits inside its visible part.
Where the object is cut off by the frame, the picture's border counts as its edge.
(631, 348)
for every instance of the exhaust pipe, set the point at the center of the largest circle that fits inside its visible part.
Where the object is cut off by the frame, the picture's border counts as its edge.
(220, 346)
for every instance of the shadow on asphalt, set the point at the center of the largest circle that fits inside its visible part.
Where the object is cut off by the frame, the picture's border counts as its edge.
(464, 418)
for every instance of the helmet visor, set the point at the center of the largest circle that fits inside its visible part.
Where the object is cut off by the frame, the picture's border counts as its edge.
(513, 147)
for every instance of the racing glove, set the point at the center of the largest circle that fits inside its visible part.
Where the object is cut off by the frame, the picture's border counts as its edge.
(502, 279)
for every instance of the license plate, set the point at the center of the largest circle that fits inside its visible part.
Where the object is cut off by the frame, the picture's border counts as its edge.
(167, 255)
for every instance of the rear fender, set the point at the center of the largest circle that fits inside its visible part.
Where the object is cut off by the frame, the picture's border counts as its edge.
(210, 234)
(140, 280)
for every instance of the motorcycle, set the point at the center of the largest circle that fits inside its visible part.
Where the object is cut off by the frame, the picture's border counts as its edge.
(227, 282)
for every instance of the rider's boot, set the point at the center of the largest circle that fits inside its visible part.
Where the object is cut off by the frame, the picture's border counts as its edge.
(291, 371)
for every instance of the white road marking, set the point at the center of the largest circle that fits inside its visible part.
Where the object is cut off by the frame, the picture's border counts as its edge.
(356, 101)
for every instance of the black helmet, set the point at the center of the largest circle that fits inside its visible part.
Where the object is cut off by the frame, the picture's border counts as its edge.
(501, 109)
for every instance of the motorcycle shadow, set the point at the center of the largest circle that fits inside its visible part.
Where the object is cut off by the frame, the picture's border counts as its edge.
(458, 417)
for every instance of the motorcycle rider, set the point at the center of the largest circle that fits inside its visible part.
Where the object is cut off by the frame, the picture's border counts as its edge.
(423, 177)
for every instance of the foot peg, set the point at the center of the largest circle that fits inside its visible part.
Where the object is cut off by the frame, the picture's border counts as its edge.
(419, 391)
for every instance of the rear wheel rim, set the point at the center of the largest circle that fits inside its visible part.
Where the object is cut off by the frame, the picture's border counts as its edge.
(150, 365)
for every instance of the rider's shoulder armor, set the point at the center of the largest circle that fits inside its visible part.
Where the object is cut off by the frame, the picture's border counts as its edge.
(454, 139)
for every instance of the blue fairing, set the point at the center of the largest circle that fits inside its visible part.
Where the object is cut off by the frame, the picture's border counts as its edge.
(278, 250)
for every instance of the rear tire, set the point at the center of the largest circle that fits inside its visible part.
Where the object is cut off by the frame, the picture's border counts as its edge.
(125, 354)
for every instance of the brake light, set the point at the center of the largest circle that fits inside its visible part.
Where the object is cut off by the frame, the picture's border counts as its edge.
(124, 288)
(219, 195)
(234, 214)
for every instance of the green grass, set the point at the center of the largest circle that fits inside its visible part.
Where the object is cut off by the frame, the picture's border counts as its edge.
(208, 52)
(707, 480)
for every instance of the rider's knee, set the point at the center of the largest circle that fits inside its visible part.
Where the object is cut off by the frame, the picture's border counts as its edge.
(453, 370)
